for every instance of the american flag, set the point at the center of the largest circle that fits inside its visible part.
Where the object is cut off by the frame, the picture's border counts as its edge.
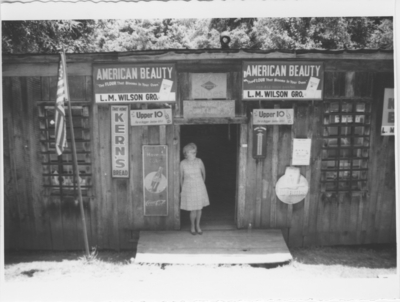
(60, 121)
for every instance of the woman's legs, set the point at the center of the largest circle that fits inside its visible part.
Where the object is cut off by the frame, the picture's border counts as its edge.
(198, 217)
(193, 215)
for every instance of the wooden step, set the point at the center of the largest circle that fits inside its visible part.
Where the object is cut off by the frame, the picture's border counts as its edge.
(213, 247)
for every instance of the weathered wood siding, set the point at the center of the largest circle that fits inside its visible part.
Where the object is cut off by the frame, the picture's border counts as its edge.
(316, 220)
(34, 220)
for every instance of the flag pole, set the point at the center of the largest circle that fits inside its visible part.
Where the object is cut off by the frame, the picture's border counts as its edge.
(74, 156)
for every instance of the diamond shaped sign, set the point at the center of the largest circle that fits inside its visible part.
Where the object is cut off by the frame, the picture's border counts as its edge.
(209, 85)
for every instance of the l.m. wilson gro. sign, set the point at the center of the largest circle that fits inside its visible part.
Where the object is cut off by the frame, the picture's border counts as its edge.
(274, 80)
(134, 83)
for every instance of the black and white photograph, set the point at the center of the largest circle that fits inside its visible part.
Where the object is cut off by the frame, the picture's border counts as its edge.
(199, 150)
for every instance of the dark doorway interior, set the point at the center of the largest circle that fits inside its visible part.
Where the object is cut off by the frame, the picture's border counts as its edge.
(217, 148)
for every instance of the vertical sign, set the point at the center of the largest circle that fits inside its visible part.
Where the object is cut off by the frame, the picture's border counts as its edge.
(259, 142)
(301, 152)
(120, 141)
(155, 182)
(388, 113)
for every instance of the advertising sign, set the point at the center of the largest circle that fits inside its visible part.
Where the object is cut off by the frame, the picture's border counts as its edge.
(134, 83)
(388, 113)
(270, 80)
(208, 85)
(198, 109)
(151, 117)
(259, 142)
(273, 116)
(155, 182)
(301, 152)
(120, 141)
(292, 187)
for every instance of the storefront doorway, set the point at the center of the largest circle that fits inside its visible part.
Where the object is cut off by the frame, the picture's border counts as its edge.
(217, 148)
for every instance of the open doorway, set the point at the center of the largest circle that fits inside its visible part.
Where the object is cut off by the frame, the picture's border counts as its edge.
(217, 148)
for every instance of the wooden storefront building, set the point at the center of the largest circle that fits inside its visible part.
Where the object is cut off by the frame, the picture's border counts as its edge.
(349, 166)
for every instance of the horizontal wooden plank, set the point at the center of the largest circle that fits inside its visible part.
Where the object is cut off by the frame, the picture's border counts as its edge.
(216, 120)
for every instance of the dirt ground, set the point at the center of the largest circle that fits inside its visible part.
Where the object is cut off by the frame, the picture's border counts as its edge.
(115, 275)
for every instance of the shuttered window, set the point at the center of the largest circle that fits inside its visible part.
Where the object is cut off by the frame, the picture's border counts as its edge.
(58, 174)
(346, 144)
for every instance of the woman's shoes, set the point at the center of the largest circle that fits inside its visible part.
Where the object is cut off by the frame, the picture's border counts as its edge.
(193, 233)
(200, 232)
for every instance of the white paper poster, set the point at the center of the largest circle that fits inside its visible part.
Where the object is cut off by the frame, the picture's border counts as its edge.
(301, 152)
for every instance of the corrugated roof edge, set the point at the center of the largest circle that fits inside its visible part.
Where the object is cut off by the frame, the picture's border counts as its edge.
(217, 50)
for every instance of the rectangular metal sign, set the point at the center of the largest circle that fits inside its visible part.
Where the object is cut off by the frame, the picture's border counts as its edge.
(151, 117)
(120, 141)
(155, 180)
(388, 127)
(301, 152)
(208, 85)
(278, 80)
(199, 109)
(273, 116)
(134, 83)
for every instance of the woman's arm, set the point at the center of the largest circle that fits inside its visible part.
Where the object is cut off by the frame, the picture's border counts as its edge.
(203, 170)
(181, 172)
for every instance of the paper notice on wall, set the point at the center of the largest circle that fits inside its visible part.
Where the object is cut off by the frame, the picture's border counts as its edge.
(301, 152)
(165, 89)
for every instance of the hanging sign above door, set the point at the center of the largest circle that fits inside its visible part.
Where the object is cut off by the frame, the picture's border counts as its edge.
(273, 117)
(134, 83)
(208, 85)
(271, 80)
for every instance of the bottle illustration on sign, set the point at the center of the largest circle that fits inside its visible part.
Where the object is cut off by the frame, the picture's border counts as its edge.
(155, 182)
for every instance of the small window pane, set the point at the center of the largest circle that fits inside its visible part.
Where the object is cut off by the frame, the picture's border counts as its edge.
(332, 142)
(358, 141)
(328, 164)
(333, 130)
(356, 185)
(347, 107)
(355, 175)
(359, 130)
(334, 119)
(345, 153)
(344, 175)
(330, 186)
(344, 164)
(343, 185)
(345, 130)
(332, 153)
(345, 142)
(360, 119)
(347, 119)
(330, 175)
(334, 107)
(360, 107)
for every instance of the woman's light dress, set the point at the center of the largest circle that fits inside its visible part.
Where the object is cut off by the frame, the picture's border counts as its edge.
(194, 193)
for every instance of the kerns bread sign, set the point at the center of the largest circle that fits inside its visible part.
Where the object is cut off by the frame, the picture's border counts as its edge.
(134, 83)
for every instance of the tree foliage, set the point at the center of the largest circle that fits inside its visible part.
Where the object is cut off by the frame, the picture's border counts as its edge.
(248, 33)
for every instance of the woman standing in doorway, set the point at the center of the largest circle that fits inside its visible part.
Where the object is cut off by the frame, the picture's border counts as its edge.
(194, 193)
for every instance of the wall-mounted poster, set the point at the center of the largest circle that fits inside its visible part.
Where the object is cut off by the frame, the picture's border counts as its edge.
(134, 83)
(301, 152)
(388, 127)
(120, 141)
(155, 180)
(277, 80)
(151, 117)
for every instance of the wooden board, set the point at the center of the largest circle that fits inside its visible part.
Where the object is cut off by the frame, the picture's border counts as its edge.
(237, 246)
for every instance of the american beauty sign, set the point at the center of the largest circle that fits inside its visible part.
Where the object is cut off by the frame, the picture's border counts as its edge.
(134, 83)
(277, 80)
